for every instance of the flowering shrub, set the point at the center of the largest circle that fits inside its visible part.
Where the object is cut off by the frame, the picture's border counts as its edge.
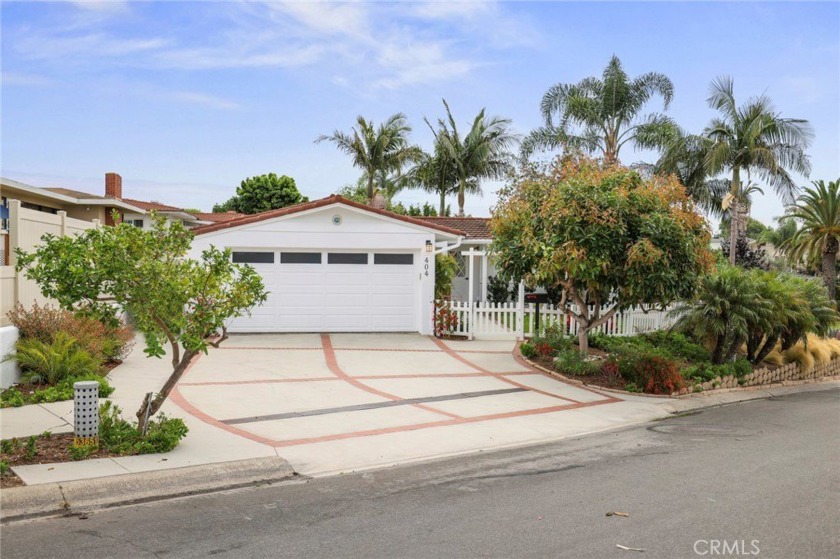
(446, 322)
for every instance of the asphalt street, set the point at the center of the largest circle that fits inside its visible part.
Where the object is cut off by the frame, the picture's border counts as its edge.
(753, 479)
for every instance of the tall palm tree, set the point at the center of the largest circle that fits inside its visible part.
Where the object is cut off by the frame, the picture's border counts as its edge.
(482, 153)
(602, 115)
(436, 173)
(378, 151)
(818, 209)
(753, 138)
(685, 157)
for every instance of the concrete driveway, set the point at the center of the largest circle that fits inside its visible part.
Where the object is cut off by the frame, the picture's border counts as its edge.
(332, 403)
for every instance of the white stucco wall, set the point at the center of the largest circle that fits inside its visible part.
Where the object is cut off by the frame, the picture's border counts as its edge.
(9, 371)
(358, 231)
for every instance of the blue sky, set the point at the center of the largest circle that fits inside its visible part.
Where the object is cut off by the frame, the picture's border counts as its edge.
(185, 99)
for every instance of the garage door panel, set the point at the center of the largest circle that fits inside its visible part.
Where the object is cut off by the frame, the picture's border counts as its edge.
(336, 298)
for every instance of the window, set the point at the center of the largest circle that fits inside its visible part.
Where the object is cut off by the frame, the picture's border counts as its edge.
(400, 259)
(253, 257)
(137, 223)
(463, 265)
(300, 257)
(347, 258)
(38, 208)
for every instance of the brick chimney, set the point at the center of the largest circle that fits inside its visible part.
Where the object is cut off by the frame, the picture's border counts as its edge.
(113, 186)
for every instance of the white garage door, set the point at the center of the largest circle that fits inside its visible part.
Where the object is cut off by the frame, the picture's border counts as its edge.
(334, 291)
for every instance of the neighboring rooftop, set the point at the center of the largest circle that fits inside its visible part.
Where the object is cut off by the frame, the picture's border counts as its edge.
(217, 217)
(474, 227)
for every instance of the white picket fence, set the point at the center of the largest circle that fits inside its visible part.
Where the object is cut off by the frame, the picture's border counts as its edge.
(519, 321)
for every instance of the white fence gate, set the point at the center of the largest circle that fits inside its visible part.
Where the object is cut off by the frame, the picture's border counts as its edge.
(519, 320)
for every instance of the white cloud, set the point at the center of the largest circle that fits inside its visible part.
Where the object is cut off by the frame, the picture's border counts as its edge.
(360, 45)
(201, 100)
(445, 9)
(24, 80)
(46, 47)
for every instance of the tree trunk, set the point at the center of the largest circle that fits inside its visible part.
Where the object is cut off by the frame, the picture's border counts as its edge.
(717, 354)
(154, 404)
(829, 265)
(370, 188)
(766, 349)
(442, 202)
(461, 198)
(733, 349)
(733, 215)
(583, 340)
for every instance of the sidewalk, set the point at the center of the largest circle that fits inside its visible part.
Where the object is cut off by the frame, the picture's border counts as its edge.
(208, 444)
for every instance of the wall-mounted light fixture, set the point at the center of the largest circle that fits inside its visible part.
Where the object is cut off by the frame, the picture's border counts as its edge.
(429, 246)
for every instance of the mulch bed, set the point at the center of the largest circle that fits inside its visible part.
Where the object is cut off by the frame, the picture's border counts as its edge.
(48, 450)
(595, 379)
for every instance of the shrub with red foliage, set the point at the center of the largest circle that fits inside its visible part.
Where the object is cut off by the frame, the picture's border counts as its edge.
(446, 322)
(545, 350)
(662, 376)
(100, 341)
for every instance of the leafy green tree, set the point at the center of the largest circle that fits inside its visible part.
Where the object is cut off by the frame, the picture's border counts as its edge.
(754, 230)
(357, 192)
(818, 209)
(482, 153)
(146, 272)
(604, 235)
(601, 116)
(753, 138)
(377, 151)
(780, 235)
(263, 193)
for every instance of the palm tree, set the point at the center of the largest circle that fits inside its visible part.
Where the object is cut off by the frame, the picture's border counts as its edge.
(725, 306)
(753, 138)
(818, 209)
(602, 115)
(685, 157)
(482, 153)
(436, 173)
(378, 151)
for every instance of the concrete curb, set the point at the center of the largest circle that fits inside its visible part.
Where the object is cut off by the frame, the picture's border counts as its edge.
(18, 503)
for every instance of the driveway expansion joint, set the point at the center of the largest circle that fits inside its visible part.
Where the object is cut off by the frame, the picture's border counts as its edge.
(374, 405)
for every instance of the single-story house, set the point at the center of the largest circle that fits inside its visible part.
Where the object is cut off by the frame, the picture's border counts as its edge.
(335, 265)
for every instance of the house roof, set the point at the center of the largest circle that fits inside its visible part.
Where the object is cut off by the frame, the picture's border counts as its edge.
(217, 217)
(74, 193)
(157, 206)
(334, 199)
(68, 195)
(474, 227)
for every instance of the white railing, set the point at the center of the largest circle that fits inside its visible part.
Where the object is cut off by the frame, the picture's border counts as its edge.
(519, 320)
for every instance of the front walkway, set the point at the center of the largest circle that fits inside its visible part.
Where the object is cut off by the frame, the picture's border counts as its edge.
(343, 402)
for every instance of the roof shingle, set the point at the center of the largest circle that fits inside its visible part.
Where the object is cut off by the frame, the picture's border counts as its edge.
(474, 227)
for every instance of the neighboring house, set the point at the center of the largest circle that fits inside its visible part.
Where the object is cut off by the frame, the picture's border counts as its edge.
(334, 265)
(477, 239)
(29, 212)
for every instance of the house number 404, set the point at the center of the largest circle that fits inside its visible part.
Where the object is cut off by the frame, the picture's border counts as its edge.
(426, 267)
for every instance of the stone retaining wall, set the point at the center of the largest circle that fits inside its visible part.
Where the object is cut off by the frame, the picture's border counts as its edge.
(789, 372)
